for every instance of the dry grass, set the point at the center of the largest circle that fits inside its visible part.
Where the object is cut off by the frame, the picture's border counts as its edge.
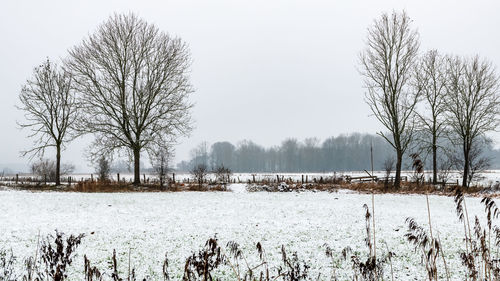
(325, 186)
(409, 188)
(111, 187)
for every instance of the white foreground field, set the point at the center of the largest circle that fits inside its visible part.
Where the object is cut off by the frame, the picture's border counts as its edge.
(150, 224)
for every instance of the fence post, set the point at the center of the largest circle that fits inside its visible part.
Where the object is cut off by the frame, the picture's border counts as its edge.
(118, 177)
(45, 178)
(69, 181)
(173, 177)
(91, 177)
(17, 178)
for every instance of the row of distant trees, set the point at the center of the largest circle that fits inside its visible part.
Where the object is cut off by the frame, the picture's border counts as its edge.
(341, 153)
(433, 95)
(127, 84)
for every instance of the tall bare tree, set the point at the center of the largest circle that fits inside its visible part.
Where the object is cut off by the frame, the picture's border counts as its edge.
(472, 104)
(134, 82)
(50, 109)
(430, 79)
(386, 65)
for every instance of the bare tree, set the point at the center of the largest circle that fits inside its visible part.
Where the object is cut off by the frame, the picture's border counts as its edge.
(134, 82)
(160, 161)
(472, 104)
(51, 111)
(199, 173)
(430, 80)
(387, 63)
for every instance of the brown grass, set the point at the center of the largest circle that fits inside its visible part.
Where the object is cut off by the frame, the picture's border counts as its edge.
(128, 187)
(361, 187)
(408, 188)
(111, 187)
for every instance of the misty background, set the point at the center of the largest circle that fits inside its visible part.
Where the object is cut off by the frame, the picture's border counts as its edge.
(263, 71)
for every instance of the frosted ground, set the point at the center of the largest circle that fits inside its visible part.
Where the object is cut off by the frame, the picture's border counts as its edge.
(150, 224)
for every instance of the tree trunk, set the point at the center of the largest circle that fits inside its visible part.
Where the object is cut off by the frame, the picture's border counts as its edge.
(434, 161)
(466, 169)
(58, 164)
(137, 172)
(399, 160)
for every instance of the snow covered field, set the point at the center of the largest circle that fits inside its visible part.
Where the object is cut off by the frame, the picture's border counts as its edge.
(151, 224)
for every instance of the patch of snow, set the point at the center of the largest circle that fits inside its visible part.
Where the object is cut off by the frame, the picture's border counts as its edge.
(238, 187)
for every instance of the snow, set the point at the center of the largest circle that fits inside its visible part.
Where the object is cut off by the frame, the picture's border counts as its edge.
(238, 188)
(150, 224)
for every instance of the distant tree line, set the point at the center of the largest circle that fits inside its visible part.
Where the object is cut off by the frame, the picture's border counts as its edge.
(340, 153)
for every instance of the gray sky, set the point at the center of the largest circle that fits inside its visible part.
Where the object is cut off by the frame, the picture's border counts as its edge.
(263, 70)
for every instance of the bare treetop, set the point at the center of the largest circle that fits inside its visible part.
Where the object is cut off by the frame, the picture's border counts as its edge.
(430, 79)
(473, 102)
(49, 107)
(134, 82)
(391, 52)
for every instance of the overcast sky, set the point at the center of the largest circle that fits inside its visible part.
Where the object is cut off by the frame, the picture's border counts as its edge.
(263, 70)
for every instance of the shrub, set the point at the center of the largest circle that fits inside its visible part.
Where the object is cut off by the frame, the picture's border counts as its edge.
(103, 169)
(199, 173)
(46, 169)
(222, 174)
